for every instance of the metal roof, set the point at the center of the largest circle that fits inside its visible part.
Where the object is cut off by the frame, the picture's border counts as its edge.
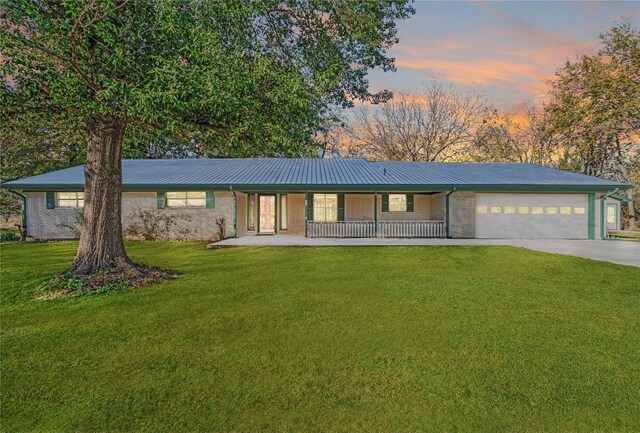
(330, 174)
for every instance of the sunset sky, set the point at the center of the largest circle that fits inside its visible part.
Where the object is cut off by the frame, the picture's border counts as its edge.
(506, 48)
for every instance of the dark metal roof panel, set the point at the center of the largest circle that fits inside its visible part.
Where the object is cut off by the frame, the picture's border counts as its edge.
(331, 172)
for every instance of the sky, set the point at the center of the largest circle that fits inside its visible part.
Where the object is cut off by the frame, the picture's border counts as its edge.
(507, 49)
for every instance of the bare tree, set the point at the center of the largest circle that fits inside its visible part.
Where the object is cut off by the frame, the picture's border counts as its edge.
(436, 125)
(522, 136)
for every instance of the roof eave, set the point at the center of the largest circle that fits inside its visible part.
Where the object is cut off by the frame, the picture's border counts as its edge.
(557, 188)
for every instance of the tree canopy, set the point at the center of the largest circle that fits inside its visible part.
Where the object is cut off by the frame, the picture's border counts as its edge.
(245, 78)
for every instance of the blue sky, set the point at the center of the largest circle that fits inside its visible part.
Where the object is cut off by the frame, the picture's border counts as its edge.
(507, 49)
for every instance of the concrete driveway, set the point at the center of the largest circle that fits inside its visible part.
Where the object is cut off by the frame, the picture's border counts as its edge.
(620, 252)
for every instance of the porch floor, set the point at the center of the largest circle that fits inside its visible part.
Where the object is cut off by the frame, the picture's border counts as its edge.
(620, 252)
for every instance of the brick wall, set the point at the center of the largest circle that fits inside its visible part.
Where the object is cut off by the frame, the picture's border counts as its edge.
(188, 224)
(462, 215)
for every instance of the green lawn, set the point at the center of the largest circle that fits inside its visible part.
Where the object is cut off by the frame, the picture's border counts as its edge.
(325, 339)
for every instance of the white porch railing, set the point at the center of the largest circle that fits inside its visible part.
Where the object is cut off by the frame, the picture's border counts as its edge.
(341, 229)
(385, 229)
(411, 229)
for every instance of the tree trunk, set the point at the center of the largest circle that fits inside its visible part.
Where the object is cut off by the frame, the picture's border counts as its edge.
(101, 243)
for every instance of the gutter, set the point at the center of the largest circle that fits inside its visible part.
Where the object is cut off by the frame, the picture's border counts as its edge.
(446, 206)
(603, 232)
(23, 213)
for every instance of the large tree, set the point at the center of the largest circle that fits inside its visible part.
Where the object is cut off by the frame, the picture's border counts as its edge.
(595, 105)
(250, 78)
(522, 136)
(436, 124)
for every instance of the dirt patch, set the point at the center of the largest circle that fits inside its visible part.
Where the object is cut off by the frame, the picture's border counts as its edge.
(117, 278)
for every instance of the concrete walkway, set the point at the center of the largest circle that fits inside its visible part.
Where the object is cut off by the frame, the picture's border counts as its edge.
(620, 252)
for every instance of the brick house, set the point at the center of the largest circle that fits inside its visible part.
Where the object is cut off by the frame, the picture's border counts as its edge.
(196, 199)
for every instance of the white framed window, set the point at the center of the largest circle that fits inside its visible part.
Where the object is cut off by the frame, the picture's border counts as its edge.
(325, 207)
(551, 210)
(284, 220)
(537, 210)
(509, 209)
(186, 199)
(481, 209)
(496, 209)
(565, 210)
(523, 209)
(578, 211)
(397, 202)
(70, 199)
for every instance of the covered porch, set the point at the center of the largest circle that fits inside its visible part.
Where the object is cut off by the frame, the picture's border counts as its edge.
(344, 214)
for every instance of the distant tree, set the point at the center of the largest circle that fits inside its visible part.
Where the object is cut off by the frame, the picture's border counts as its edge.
(245, 78)
(595, 105)
(522, 136)
(437, 124)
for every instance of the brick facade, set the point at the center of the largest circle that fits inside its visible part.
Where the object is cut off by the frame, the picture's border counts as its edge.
(187, 223)
(200, 223)
(462, 215)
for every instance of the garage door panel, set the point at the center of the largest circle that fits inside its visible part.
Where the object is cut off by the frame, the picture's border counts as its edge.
(573, 225)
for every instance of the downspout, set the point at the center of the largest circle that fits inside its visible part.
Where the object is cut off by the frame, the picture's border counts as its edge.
(446, 217)
(23, 213)
(603, 233)
(375, 214)
(235, 212)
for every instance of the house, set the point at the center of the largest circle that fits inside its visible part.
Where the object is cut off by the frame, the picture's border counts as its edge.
(198, 198)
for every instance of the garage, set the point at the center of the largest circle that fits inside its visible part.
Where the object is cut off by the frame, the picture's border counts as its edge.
(531, 216)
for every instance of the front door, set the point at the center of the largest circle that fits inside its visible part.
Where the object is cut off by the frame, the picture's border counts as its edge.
(267, 214)
(612, 217)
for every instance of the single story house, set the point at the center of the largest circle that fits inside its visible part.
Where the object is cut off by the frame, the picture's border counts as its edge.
(197, 198)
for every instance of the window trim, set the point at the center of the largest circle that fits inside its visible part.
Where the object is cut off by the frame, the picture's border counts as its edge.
(186, 198)
(406, 200)
(313, 201)
(77, 199)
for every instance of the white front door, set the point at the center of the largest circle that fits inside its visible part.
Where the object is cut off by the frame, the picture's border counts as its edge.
(267, 214)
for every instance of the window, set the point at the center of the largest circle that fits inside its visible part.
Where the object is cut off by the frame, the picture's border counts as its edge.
(611, 214)
(537, 210)
(186, 199)
(509, 209)
(551, 210)
(481, 209)
(565, 210)
(325, 207)
(397, 202)
(70, 199)
(578, 211)
(284, 221)
(251, 213)
(496, 209)
(523, 209)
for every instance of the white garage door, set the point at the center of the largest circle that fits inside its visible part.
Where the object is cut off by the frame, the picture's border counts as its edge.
(531, 216)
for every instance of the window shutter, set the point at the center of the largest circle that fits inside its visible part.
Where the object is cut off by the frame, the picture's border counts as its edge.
(211, 201)
(51, 200)
(340, 207)
(385, 202)
(409, 202)
(161, 199)
(310, 207)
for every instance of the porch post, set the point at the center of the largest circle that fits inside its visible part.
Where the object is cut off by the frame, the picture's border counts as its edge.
(306, 211)
(375, 213)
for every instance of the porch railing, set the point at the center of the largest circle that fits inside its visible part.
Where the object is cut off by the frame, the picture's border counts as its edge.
(385, 229)
(341, 229)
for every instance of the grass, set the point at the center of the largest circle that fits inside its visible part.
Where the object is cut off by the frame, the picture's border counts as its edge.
(325, 339)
